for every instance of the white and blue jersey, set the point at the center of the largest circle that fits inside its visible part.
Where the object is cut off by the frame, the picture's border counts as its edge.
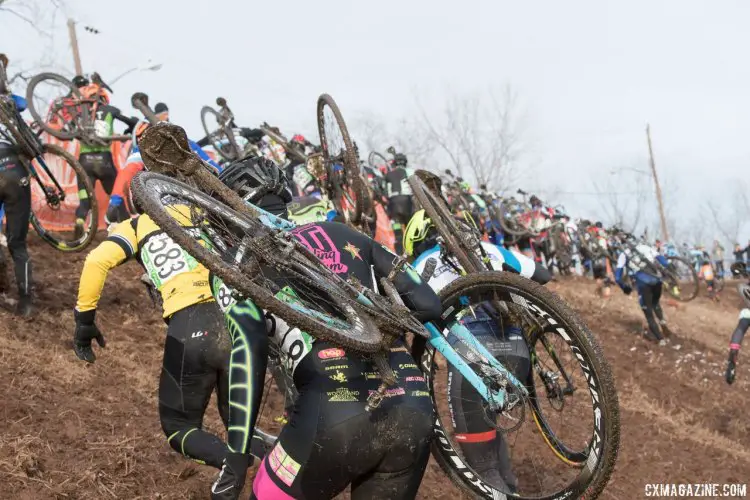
(501, 258)
(635, 262)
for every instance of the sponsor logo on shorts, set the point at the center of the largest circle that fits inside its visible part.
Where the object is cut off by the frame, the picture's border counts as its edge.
(398, 391)
(372, 376)
(200, 283)
(420, 394)
(284, 466)
(343, 395)
(335, 367)
(415, 379)
(404, 366)
(332, 353)
(399, 349)
(338, 377)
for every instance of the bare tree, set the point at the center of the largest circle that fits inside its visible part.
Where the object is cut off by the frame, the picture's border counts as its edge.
(41, 16)
(728, 217)
(375, 134)
(479, 134)
(622, 197)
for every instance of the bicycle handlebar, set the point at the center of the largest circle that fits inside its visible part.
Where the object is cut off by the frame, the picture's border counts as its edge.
(522, 192)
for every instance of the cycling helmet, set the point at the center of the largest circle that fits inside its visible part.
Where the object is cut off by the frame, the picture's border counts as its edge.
(161, 111)
(534, 201)
(299, 138)
(80, 81)
(93, 90)
(418, 236)
(744, 290)
(400, 160)
(260, 181)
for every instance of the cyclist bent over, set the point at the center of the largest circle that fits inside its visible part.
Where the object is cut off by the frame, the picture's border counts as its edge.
(196, 349)
(743, 324)
(330, 440)
(634, 261)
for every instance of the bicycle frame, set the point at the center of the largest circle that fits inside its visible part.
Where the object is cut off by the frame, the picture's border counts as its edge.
(443, 343)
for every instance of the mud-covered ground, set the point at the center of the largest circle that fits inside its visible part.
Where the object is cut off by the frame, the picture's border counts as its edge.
(70, 430)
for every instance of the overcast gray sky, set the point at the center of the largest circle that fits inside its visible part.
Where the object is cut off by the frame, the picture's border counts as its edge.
(590, 75)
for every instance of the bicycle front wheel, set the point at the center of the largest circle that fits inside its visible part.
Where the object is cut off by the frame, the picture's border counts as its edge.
(561, 440)
(344, 175)
(214, 129)
(269, 267)
(680, 279)
(55, 210)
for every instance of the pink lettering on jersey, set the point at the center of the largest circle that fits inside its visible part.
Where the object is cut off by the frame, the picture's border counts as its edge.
(319, 243)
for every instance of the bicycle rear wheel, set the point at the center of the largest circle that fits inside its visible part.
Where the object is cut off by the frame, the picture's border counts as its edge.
(572, 402)
(56, 105)
(459, 238)
(344, 175)
(54, 212)
(258, 262)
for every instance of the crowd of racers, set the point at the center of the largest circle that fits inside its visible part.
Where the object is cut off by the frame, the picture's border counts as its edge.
(195, 366)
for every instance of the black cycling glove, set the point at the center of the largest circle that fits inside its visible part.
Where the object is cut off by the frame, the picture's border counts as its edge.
(85, 332)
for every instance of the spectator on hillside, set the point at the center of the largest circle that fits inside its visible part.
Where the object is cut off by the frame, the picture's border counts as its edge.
(718, 257)
(739, 253)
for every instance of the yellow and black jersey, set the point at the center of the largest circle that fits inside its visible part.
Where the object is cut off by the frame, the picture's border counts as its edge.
(181, 280)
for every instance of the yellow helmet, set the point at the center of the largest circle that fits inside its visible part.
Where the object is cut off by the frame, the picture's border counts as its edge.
(416, 231)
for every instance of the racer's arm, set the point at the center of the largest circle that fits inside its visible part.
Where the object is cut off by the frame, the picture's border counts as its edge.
(246, 326)
(622, 260)
(116, 249)
(416, 294)
(526, 267)
(124, 176)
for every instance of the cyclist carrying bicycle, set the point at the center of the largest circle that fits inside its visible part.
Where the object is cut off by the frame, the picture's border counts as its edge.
(314, 456)
(96, 158)
(483, 447)
(15, 197)
(196, 349)
(400, 201)
(743, 323)
(633, 262)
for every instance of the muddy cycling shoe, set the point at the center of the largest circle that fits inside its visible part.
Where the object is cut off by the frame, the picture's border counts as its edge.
(24, 307)
(231, 479)
(731, 365)
(165, 149)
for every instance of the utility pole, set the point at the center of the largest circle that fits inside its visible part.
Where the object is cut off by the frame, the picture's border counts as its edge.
(664, 231)
(74, 46)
